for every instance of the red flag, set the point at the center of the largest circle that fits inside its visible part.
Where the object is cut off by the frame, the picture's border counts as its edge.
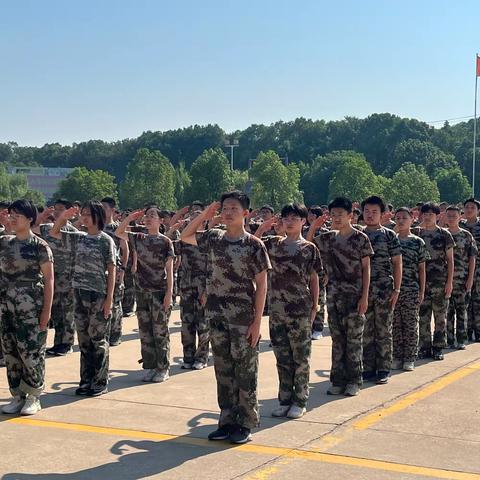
(478, 66)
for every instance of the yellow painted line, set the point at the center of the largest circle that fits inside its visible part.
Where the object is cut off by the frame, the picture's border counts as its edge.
(297, 454)
(415, 397)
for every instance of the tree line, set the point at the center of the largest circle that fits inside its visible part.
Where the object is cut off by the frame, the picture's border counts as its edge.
(403, 159)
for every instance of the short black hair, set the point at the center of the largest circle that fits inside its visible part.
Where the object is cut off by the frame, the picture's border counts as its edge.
(241, 197)
(472, 200)
(341, 202)
(419, 204)
(294, 209)
(97, 211)
(109, 201)
(454, 208)
(316, 210)
(160, 213)
(268, 207)
(4, 205)
(77, 203)
(390, 207)
(374, 200)
(198, 203)
(163, 213)
(357, 211)
(25, 208)
(64, 202)
(430, 207)
(404, 210)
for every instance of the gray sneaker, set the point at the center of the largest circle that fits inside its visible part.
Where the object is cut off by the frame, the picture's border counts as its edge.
(14, 406)
(280, 411)
(148, 375)
(351, 390)
(160, 377)
(32, 405)
(335, 390)
(296, 412)
(409, 366)
(397, 364)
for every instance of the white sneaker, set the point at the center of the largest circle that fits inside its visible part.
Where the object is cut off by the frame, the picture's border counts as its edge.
(316, 335)
(199, 365)
(160, 377)
(14, 406)
(409, 366)
(148, 375)
(32, 405)
(281, 411)
(397, 364)
(296, 412)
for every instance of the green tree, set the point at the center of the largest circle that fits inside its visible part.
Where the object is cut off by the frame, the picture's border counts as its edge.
(211, 176)
(83, 185)
(150, 178)
(453, 185)
(183, 183)
(410, 185)
(355, 179)
(273, 182)
(239, 179)
(13, 187)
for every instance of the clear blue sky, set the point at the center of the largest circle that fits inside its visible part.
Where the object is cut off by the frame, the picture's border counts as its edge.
(110, 69)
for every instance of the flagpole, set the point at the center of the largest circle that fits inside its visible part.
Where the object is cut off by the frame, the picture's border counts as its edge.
(475, 126)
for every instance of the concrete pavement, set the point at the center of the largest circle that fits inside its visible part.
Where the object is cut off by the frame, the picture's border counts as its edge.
(423, 424)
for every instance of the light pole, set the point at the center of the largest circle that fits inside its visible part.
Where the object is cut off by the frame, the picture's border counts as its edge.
(231, 145)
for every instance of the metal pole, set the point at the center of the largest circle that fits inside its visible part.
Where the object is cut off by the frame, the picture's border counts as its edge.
(231, 157)
(475, 127)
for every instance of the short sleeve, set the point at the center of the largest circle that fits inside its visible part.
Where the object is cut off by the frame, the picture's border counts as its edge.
(472, 247)
(45, 230)
(132, 240)
(394, 247)
(449, 241)
(70, 239)
(366, 249)
(110, 251)
(316, 264)
(45, 254)
(204, 240)
(170, 251)
(260, 260)
(422, 251)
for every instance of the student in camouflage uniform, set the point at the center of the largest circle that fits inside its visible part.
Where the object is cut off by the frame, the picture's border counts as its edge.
(111, 225)
(192, 287)
(385, 280)
(4, 230)
(439, 282)
(471, 209)
(346, 256)
(236, 290)
(26, 265)
(293, 304)
(93, 283)
(464, 255)
(62, 308)
(154, 281)
(412, 291)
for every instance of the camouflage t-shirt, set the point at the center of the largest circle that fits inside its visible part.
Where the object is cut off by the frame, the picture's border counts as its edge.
(414, 252)
(465, 248)
(385, 245)
(93, 253)
(63, 256)
(438, 241)
(390, 225)
(232, 266)
(342, 258)
(153, 251)
(474, 229)
(193, 267)
(292, 265)
(20, 260)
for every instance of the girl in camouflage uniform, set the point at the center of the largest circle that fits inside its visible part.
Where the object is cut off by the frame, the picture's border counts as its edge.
(26, 264)
(154, 281)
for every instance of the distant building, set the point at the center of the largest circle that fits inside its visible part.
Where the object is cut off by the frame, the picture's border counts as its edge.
(43, 179)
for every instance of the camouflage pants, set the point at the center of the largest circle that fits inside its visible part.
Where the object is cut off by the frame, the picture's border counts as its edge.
(63, 318)
(92, 332)
(23, 342)
(115, 333)
(436, 303)
(194, 323)
(319, 321)
(377, 334)
(405, 327)
(292, 344)
(346, 329)
(153, 328)
(236, 372)
(128, 301)
(457, 310)
(473, 309)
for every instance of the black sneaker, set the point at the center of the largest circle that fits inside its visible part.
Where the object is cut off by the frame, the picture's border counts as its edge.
(437, 354)
(240, 435)
(382, 377)
(51, 351)
(97, 391)
(221, 433)
(114, 343)
(369, 376)
(82, 390)
(63, 349)
(425, 353)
